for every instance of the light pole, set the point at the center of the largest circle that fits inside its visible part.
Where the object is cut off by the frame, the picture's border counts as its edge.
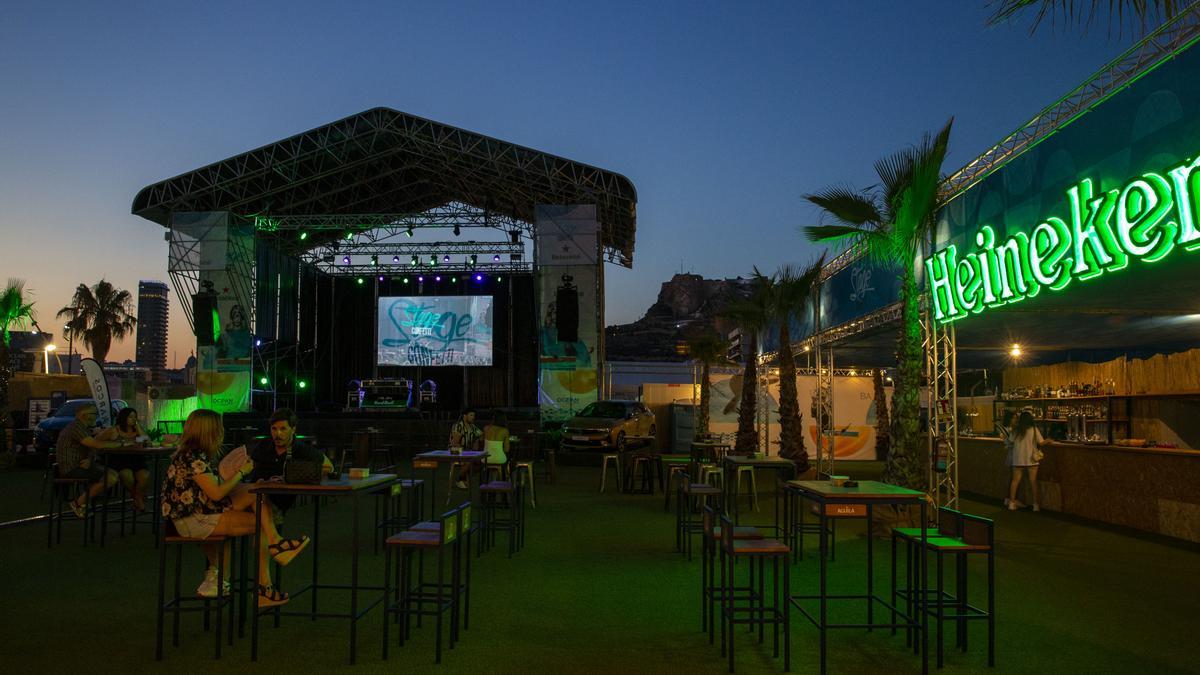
(46, 358)
(70, 336)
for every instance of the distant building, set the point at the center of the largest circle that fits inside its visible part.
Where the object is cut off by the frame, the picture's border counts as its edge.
(26, 352)
(153, 303)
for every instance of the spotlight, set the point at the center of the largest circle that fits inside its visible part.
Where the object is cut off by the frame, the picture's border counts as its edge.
(457, 230)
(421, 279)
(350, 234)
(374, 260)
(345, 260)
(406, 280)
(415, 262)
(263, 380)
(303, 235)
(409, 231)
(438, 278)
(478, 277)
(381, 277)
(360, 281)
(395, 260)
(1015, 351)
(258, 343)
(446, 258)
(496, 258)
(473, 260)
(433, 260)
(499, 278)
(454, 280)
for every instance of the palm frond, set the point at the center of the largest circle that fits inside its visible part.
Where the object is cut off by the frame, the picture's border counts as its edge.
(1147, 13)
(833, 233)
(847, 206)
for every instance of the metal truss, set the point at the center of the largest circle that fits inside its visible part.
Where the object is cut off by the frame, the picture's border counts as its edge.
(1168, 40)
(826, 431)
(387, 161)
(941, 372)
(397, 258)
(183, 268)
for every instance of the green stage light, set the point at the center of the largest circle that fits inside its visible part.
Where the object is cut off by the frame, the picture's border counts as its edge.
(303, 384)
(406, 280)
(263, 380)
(454, 280)
(360, 281)
(350, 235)
(303, 236)
(374, 260)
(433, 260)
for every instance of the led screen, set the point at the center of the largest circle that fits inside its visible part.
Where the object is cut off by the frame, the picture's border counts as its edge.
(435, 331)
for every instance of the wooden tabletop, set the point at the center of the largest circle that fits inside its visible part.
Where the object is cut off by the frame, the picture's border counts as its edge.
(742, 460)
(343, 484)
(866, 489)
(445, 456)
(134, 450)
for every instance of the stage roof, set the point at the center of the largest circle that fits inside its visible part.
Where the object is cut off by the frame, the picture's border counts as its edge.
(386, 161)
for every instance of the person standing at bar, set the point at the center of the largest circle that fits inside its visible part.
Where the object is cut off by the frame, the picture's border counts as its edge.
(1023, 457)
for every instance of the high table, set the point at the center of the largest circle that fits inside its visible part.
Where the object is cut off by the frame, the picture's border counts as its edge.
(857, 502)
(433, 460)
(732, 463)
(155, 454)
(706, 451)
(329, 487)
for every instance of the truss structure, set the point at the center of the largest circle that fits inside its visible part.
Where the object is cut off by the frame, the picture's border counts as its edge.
(384, 161)
(184, 268)
(826, 431)
(941, 371)
(392, 258)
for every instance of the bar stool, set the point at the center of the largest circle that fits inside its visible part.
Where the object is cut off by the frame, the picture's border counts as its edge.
(444, 539)
(522, 473)
(65, 490)
(180, 603)
(645, 463)
(615, 458)
(514, 524)
(674, 469)
(747, 472)
(685, 524)
(710, 591)
(752, 609)
(388, 500)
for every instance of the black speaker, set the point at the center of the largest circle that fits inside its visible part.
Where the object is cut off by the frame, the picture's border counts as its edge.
(205, 319)
(566, 306)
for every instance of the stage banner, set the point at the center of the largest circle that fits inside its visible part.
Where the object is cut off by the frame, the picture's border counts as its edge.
(224, 254)
(568, 252)
(94, 373)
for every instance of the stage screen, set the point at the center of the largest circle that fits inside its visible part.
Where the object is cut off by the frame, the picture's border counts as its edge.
(448, 330)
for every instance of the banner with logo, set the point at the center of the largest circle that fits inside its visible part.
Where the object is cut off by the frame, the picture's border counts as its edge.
(569, 335)
(94, 373)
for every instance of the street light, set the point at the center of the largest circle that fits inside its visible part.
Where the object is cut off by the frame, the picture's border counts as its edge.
(46, 358)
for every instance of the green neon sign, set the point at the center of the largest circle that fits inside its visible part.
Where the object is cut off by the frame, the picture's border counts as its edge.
(1146, 219)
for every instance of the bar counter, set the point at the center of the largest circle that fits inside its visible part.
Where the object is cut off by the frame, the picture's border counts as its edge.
(1151, 489)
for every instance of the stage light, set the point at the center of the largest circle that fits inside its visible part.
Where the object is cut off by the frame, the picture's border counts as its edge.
(446, 258)
(499, 278)
(414, 261)
(381, 277)
(374, 260)
(473, 259)
(457, 231)
(303, 235)
(302, 384)
(406, 280)
(478, 277)
(438, 278)
(433, 260)
(258, 343)
(409, 231)
(421, 279)
(496, 258)
(360, 281)
(454, 280)
(350, 235)
(395, 260)
(263, 380)
(345, 260)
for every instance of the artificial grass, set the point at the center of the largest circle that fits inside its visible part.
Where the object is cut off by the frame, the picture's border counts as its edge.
(599, 588)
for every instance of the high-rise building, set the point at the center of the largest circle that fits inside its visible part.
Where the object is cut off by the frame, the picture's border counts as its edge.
(152, 327)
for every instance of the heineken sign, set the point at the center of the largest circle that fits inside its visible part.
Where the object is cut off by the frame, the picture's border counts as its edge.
(1100, 232)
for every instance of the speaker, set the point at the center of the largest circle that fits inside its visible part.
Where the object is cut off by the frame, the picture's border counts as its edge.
(566, 307)
(205, 319)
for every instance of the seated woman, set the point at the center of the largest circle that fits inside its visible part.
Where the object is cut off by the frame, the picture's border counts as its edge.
(131, 469)
(202, 505)
(495, 441)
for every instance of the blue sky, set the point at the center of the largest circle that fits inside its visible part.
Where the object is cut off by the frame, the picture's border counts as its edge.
(722, 114)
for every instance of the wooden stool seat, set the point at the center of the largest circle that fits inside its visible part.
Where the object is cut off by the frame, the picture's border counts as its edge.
(497, 486)
(759, 547)
(701, 489)
(414, 538)
(739, 532)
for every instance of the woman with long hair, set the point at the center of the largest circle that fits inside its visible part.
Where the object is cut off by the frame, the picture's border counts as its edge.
(131, 469)
(495, 441)
(201, 505)
(1025, 441)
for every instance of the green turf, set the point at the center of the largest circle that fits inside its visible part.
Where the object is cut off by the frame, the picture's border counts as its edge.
(598, 588)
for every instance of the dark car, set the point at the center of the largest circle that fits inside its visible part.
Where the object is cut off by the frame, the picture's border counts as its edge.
(48, 429)
(607, 424)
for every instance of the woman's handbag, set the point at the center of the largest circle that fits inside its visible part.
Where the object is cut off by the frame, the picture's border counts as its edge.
(1038, 455)
(303, 472)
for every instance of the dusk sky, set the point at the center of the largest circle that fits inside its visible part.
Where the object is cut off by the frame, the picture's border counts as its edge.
(722, 114)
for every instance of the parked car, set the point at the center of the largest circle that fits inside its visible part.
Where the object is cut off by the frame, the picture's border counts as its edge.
(607, 424)
(47, 430)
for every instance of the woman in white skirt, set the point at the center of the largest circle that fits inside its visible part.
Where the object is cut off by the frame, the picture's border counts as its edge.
(1023, 456)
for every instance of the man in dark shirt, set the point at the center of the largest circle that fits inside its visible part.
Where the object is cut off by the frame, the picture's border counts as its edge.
(74, 454)
(270, 454)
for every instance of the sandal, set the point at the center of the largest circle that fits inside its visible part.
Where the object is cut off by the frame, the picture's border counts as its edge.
(269, 596)
(286, 549)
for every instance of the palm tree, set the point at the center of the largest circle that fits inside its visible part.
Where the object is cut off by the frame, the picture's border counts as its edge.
(1148, 13)
(792, 289)
(893, 221)
(752, 315)
(100, 314)
(709, 349)
(16, 312)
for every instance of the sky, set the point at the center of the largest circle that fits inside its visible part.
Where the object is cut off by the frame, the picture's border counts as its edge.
(723, 114)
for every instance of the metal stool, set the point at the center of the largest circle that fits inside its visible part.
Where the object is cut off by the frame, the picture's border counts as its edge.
(615, 458)
(710, 591)
(743, 471)
(180, 603)
(64, 490)
(685, 524)
(523, 472)
(752, 608)
(514, 524)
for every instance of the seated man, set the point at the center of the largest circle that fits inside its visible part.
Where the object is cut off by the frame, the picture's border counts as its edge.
(74, 451)
(270, 454)
(467, 436)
